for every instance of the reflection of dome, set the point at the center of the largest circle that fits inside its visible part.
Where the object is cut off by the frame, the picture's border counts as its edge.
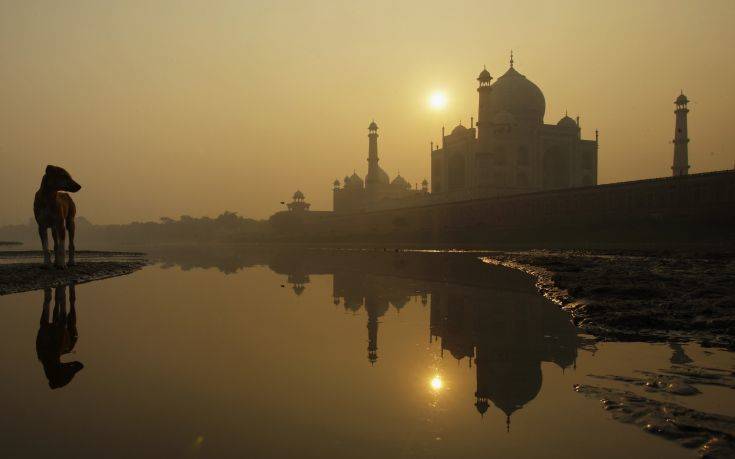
(459, 129)
(681, 100)
(514, 93)
(567, 122)
(512, 385)
(400, 182)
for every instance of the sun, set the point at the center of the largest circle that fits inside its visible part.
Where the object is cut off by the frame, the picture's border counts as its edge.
(436, 383)
(437, 100)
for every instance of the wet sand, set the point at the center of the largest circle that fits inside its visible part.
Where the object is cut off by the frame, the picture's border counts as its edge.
(638, 296)
(21, 271)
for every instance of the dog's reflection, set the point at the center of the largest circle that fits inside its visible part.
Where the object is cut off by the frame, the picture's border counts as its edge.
(57, 335)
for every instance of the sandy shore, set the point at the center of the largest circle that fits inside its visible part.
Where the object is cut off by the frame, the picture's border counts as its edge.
(21, 271)
(638, 296)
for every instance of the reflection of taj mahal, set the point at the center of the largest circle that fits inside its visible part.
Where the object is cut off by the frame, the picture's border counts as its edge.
(506, 333)
(510, 150)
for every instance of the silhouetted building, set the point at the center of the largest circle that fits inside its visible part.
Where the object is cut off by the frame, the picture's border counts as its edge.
(377, 190)
(681, 137)
(511, 150)
(299, 203)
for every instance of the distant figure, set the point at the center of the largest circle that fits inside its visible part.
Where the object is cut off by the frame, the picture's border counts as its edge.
(57, 336)
(56, 211)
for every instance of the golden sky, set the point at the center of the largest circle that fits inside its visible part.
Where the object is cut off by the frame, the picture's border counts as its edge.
(172, 107)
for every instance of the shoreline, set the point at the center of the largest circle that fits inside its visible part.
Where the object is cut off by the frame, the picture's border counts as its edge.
(636, 297)
(23, 271)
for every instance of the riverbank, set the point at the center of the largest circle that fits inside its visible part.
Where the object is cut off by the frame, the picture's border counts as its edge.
(644, 296)
(22, 271)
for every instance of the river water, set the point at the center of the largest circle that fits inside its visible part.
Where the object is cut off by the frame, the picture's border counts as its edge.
(319, 354)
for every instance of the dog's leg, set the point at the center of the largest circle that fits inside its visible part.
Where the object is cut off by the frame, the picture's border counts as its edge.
(59, 234)
(46, 303)
(72, 322)
(71, 228)
(43, 233)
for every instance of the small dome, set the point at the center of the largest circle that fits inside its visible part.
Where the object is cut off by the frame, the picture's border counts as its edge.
(425, 182)
(681, 100)
(336, 182)
(459, 129)
(373, 126)
(504, 118)
(298, 195)
(484, 76)
(567, 122)
(355, 181)
(400, 182)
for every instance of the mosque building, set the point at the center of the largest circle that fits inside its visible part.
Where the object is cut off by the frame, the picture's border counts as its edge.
(511, 150)
(377, 191)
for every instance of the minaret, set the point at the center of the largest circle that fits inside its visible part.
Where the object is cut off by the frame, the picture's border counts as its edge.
(373, 174)
(681, 139)
(483, 121)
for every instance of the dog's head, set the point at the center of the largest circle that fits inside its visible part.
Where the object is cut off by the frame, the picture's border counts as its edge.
(58, 179)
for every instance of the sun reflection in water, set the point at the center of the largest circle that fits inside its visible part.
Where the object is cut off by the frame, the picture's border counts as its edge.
(436, 383)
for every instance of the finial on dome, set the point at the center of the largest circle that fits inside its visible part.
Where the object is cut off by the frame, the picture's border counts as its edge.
(511, 58)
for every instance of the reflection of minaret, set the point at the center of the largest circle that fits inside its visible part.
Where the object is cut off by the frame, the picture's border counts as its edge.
(681, 139)
(375, 308)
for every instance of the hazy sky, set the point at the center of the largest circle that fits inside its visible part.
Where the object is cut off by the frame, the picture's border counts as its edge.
(164, 108)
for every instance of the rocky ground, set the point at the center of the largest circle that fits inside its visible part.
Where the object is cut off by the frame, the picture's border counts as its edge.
(638, 296)
(22, 271)
(712, 435)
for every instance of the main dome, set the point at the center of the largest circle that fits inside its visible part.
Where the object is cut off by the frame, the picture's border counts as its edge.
(516, 94)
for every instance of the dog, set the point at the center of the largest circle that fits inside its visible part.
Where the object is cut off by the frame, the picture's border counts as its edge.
(56, 210)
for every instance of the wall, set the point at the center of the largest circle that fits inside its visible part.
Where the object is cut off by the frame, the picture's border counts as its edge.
(657, 210)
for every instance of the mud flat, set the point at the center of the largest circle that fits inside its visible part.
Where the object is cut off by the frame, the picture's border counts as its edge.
(638, 296)
(21, 271)
(712, 435)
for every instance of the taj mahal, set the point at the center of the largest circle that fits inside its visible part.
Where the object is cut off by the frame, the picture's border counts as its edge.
(509, 174)
(509, 150)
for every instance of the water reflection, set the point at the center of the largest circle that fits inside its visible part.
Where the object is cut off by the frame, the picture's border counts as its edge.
(490, 317)
(57, 336)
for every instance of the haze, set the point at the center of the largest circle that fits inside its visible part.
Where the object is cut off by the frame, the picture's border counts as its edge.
(168, 108)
